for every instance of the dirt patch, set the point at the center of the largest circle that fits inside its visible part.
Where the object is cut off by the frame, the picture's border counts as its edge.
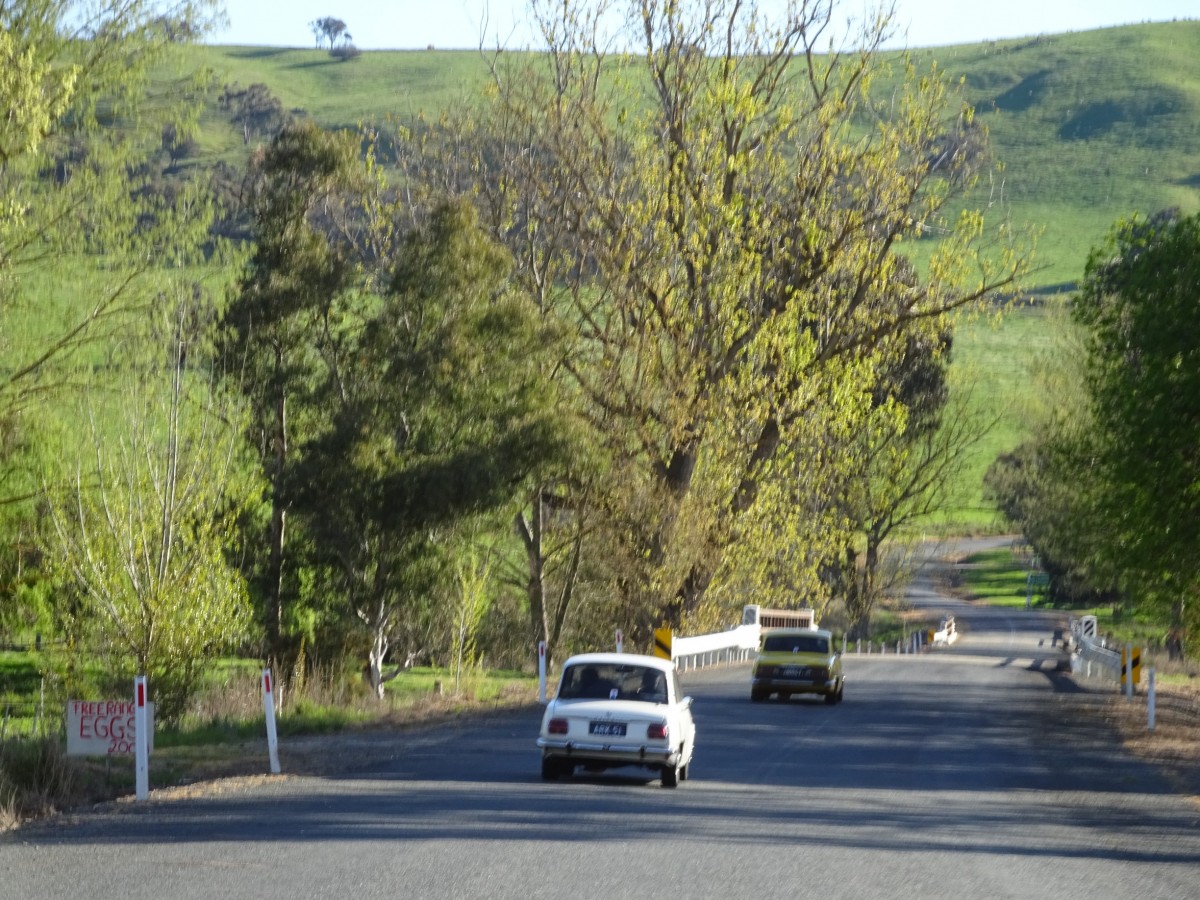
(1174, 744)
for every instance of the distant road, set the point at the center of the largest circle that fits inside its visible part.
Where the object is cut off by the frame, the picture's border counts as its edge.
(993, 630)
(943, 775)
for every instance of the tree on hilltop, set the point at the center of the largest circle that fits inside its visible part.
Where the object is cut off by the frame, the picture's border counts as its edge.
(327, 28)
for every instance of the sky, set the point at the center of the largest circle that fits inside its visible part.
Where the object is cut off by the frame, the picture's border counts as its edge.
(458, 24)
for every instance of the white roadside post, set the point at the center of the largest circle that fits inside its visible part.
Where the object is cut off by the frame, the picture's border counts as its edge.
(269, 710)
(1127, 670)
(1150, 699)
(542, 672)
(620, 641)
(142, 738)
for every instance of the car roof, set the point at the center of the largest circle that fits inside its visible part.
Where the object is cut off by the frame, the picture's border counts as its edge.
(820, 631)
(629, 659)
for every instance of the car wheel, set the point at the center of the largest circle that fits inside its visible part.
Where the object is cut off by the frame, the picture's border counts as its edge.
(841, 691)
(553, 769)
(757, 696)
(832, 697)
(670, 776)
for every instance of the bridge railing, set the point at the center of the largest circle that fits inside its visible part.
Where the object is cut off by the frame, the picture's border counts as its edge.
(1091, 656)
(736, 645)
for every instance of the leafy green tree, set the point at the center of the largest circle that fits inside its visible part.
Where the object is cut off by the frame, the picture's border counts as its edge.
(443, 416)
(255, 110)
(143, 531)
(90, 89)
(1138, 303)
(1105, 488)
(912, 463)
(721, 217)
(555, 525)
(282, 336)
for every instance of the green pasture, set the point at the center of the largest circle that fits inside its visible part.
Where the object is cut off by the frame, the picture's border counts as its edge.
(993, 363)
(1088, 126)
(229, 707)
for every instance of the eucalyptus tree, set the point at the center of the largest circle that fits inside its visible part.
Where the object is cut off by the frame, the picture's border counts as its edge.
(441, 418)
(284, 332)
(719, 206)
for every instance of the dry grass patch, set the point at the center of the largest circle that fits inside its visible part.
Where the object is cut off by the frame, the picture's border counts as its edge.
(1174, 744)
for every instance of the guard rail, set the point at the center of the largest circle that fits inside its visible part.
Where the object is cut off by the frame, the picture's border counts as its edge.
(736, 645)
(1090, 655)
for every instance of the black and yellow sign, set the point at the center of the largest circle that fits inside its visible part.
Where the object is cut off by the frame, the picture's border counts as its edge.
(1133, 669)
(662, 643)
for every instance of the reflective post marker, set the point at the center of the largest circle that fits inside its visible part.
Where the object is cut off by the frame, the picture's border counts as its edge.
(269, 709)
(1150, 700)
(1127, 670)
(620, 641)
(141, 739)
(542, 672)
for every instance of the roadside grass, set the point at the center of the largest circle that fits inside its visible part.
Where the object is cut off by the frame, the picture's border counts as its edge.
(225, 731)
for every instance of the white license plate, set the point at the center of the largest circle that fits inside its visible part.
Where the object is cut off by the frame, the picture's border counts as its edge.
(607, 729)
(793, 672)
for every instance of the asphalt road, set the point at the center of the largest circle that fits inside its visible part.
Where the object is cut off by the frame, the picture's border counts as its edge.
(943, 775)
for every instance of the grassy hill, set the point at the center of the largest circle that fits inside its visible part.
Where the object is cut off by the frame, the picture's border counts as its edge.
(1090, 127)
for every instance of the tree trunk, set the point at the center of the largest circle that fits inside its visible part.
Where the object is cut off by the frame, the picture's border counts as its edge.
(277, 536)
(530, 532)
(379, 648)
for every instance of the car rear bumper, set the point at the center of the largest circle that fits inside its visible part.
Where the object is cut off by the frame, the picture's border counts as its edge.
(795, 686)
(587, 751)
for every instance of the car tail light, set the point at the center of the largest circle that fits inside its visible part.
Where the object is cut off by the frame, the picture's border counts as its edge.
(557, 726)
(657, 731)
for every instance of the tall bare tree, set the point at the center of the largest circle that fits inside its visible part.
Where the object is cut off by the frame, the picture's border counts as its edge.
(721, 214)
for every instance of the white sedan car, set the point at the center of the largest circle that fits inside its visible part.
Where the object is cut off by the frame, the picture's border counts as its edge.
(618, 709)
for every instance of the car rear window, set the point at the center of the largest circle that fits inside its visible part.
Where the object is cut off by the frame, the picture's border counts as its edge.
(795, 643)
(592, 681)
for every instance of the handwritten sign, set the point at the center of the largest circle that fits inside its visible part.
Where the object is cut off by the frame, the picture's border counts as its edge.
(104, 727)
